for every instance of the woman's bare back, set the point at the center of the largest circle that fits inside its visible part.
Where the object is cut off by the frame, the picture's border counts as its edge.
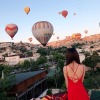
(75, 71)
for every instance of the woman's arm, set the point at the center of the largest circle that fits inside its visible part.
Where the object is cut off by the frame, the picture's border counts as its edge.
(65, 76)
(83, 72)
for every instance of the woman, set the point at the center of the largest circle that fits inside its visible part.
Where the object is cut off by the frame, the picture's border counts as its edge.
(74, 73)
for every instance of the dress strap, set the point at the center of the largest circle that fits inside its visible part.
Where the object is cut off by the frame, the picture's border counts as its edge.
(74, 72)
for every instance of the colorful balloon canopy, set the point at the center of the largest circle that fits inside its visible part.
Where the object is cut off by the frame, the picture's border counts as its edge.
(27, 10)
(30, 39)
(73, 36)
(76, 36)
(11, 29)
(47, 97)
(42, 31)
(64, 13)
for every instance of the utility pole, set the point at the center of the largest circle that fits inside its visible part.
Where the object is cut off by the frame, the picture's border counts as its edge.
(55, 78)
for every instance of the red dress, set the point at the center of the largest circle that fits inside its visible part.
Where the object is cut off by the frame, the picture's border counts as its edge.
(76, 90)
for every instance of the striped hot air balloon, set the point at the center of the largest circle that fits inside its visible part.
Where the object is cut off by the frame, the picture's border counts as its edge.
(42, 31)
(11, 29)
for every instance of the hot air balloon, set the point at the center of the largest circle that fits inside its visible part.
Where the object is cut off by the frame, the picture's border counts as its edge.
(76, 36)
(27, 10)
(11, 29)
(64, 13)
(74, 14)
(58, 37)
(30, 39)
(73, 36)
(86, 31)
(42, 31)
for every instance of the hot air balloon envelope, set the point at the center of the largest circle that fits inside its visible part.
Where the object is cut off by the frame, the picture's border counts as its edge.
(27, 10)
(11, 29)
(30, 39)
(86, 31)
(64, 13)
(57, 37)
(76, 36)
(42, 31)
(74, 13)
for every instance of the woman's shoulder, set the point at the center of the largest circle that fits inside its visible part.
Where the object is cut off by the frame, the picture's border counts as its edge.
(65, 67)
(83, 66)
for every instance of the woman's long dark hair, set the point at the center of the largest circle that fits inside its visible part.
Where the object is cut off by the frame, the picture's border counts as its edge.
(72, 55)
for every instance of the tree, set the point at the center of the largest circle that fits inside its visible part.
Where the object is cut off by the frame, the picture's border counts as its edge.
(23, 49)
(89, 83)
(46, 66)
(7, 82)
(26, 64)
(92, 60)
(64, 86)
(59, 73)
(87, 54)
(1, 68)
(58, 56)
(42, 51)
(34, 65)
(49, 92)
(95, 53)
(5, 85)
(98, 69)
(5, 55)
(60, 65)
(61, 49)
(41, 60)
(29, 53)
(76, 45)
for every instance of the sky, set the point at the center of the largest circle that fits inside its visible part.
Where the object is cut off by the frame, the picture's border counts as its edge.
(87, 18)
